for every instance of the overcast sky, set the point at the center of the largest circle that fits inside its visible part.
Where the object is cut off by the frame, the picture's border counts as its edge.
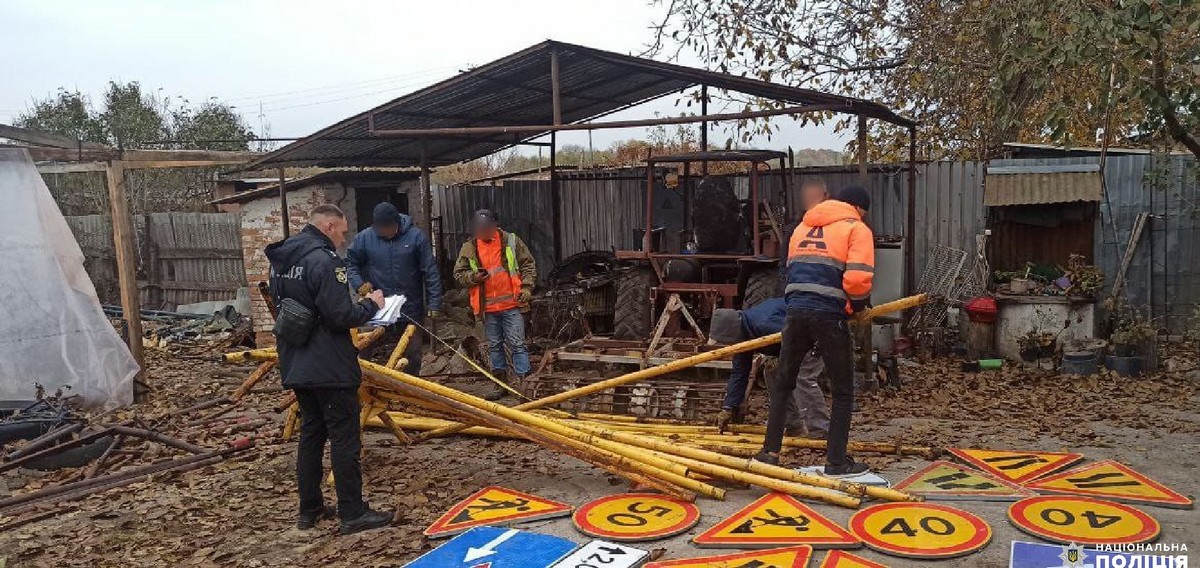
(308, 64)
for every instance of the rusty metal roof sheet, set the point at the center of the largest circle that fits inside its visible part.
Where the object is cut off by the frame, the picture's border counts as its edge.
(1034, 185)
(515, 90)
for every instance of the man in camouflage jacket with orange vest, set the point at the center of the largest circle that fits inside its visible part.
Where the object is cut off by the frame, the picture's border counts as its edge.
(830, 266)
(500, 272)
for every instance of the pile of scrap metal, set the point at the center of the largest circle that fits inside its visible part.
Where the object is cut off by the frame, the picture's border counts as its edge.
(684, 460)
(220, 330)
(89, 457)
(578, 298)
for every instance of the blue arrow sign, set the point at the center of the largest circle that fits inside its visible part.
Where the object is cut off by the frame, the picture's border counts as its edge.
(490, 547)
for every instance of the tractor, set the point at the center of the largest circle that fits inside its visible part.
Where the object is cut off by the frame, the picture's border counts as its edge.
(726, 256)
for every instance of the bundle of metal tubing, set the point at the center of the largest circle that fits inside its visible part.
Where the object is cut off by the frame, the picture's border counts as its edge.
(620, 448)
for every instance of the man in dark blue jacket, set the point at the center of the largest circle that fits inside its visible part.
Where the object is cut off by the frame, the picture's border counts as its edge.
(806, 407)
(321, 367)
(396, 257)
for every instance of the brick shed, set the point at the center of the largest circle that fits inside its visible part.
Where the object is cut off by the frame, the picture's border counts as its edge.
(355, 192)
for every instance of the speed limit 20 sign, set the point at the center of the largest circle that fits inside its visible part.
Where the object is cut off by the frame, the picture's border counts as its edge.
(1082, 520)
(632, 517)
(920, 530)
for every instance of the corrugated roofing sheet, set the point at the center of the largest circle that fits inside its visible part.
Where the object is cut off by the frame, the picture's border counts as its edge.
(515, 90)
(1035, 185)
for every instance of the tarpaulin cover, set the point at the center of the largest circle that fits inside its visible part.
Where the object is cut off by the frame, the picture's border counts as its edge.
(52, 329)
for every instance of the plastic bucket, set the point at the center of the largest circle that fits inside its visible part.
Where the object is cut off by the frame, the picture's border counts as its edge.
(1080, 363)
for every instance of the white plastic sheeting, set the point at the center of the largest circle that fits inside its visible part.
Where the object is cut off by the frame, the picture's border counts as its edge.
(52, 329)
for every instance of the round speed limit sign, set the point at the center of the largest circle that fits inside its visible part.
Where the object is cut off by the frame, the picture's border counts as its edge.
(1082, 520)
(920, 530)
(632, 517)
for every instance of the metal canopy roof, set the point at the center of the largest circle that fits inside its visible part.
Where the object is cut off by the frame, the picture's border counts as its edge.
(516, 90)
(720, 156)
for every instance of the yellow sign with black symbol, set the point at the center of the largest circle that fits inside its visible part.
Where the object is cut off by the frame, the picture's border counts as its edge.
(773, 520)
(920, 530)
(1082, 520)
(632, 517)
(1113, 480)
(495, 506)
(790, 557)
(1017, 466)
(947, 481)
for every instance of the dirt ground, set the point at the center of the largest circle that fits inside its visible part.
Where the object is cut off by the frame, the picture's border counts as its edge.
(241, 512)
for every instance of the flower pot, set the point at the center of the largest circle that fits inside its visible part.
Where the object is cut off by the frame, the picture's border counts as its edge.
(1124, 366)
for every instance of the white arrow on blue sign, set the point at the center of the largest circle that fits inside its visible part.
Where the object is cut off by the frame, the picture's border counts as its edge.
(489, 547)
(599, 553)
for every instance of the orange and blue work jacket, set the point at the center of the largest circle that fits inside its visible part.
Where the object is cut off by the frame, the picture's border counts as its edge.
(831, 260)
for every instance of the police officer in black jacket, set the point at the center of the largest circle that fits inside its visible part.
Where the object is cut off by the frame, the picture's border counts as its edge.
(320, 364)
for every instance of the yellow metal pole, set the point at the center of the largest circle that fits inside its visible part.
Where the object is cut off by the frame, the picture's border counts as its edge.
(401, 346)
(397, 380)
(790, 488)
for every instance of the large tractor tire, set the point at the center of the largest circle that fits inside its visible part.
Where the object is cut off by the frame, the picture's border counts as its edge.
(716, 216)
(631, 316)
(761, 286)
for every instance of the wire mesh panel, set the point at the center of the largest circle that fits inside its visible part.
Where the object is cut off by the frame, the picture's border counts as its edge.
(940, 279)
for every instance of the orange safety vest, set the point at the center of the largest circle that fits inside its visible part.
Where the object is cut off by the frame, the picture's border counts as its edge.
(831, 259)
(503, 286)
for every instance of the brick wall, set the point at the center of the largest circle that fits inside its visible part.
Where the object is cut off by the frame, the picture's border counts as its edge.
(262, 224)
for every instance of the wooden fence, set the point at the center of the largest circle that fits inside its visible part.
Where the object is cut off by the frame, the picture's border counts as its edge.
(182, 257)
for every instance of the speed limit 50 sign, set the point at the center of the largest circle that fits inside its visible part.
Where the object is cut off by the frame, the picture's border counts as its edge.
(920, 530)
(632, 517)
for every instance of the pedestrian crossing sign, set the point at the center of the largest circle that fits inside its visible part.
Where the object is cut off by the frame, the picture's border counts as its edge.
(776, 520)
(790, 557)
(947, 481)
(1112, 480)
(1017, 466)
(495, 506)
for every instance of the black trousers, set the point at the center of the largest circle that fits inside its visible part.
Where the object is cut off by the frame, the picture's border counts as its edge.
(805, 328)
(333, 415)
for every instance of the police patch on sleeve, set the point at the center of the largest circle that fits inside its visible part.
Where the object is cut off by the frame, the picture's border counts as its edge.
(340, 273)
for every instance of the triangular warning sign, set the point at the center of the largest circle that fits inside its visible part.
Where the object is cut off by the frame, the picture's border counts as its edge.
(843, 559)
(947, 481)
(1017, 466)
(495, 506)
(790, 557)
(1113, 480)
(776, 519)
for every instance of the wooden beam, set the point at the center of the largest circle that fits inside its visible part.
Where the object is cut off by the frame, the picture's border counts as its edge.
(283, 206)
(862, 150)
(135, 159)
(46, 139)
(122, 226)
(555, 89)
(72, 168)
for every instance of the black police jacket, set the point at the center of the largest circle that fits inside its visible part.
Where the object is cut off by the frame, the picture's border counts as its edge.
(306, 268)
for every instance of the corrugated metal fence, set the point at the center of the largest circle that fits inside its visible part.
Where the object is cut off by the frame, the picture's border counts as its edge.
(182, 257)
(605, 211)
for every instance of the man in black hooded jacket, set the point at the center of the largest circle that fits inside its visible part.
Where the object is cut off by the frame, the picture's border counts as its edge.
(322, 369)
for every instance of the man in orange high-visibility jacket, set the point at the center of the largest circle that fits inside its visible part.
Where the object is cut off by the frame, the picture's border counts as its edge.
(500, 272)
(831, 262)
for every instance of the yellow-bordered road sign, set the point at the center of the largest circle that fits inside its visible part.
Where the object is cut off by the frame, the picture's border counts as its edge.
(633, 517)
(843, 559)
(1112, 480)
(775, 520)
(790, 557)
(1017, 466)
(1071, 519)
(948, 481)
(495, 506)
(920, 530)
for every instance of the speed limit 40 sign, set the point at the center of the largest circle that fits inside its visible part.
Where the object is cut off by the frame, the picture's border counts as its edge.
(920, 530)
(631, 517)
(1082, 520)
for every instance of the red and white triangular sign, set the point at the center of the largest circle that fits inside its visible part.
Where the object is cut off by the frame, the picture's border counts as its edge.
(773, 520)
(495, 506)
